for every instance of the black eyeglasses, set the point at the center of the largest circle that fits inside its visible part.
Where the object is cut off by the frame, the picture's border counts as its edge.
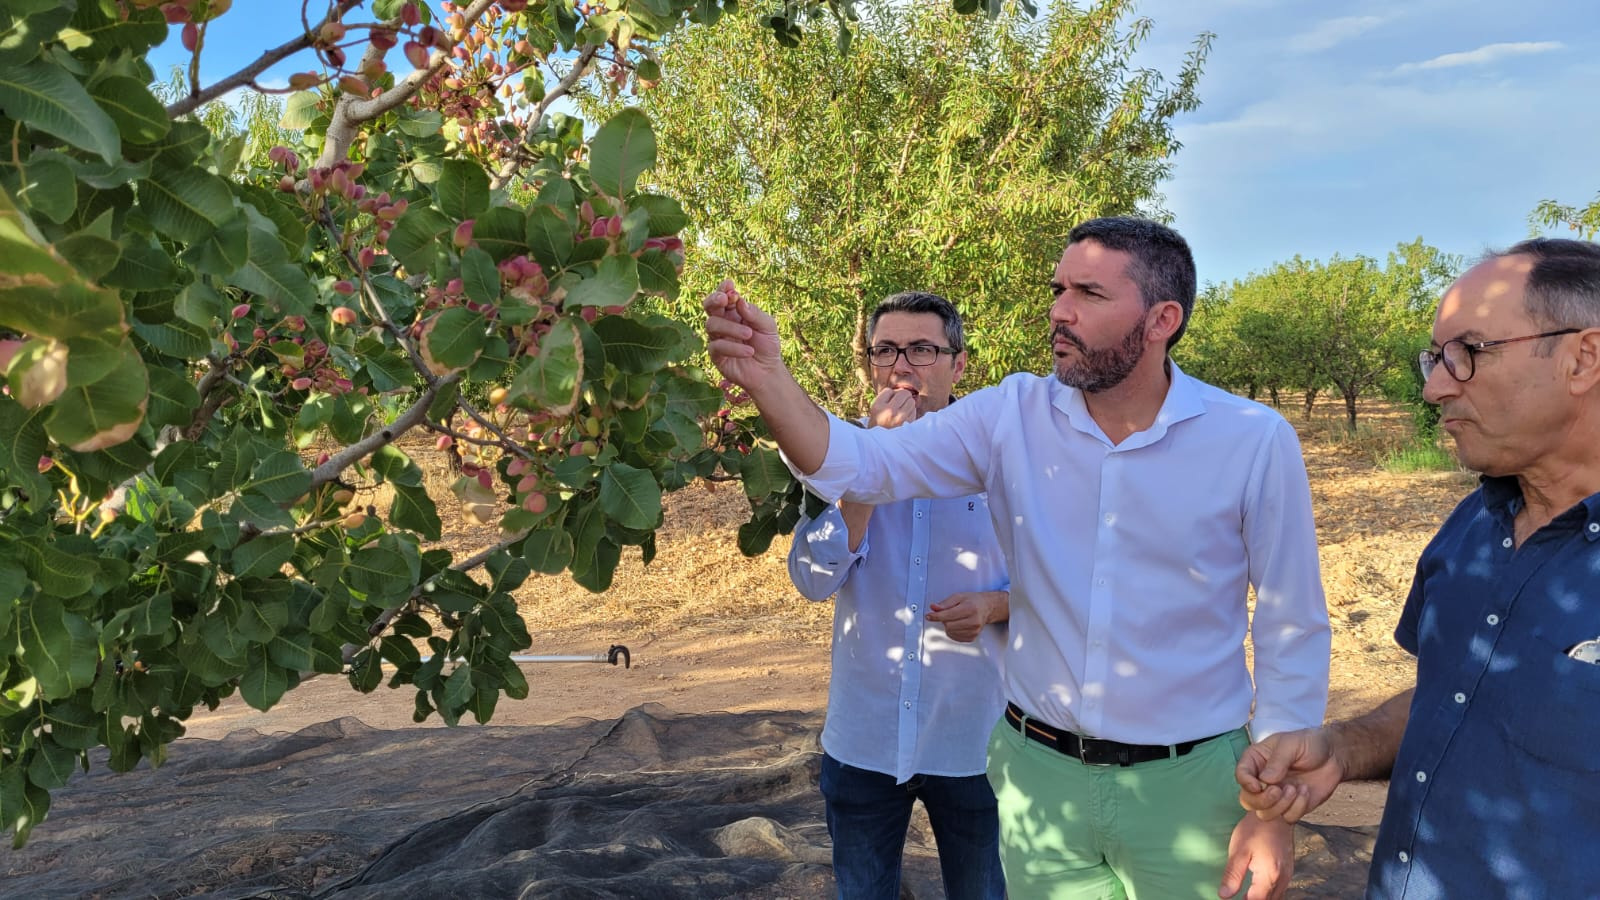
(884, 355)
(1458, 355)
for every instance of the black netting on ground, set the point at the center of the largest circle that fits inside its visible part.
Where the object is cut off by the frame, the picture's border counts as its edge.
(652, 805)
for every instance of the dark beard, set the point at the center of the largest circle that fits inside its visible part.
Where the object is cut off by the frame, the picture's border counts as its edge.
(1100, 370)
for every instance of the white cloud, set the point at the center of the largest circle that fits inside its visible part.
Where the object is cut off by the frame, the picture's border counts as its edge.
(1482, 56)
(1333, 32)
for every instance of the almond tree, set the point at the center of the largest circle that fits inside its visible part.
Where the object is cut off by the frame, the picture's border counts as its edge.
(942, 152)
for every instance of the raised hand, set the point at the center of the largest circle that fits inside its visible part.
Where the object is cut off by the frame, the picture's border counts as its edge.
(1288, 775)
(892, 408)
(742, 339)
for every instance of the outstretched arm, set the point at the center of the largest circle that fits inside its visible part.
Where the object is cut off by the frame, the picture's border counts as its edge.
(743, 342)
(1292, 773)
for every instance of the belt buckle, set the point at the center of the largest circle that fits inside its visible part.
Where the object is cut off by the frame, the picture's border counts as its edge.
(1095, 752)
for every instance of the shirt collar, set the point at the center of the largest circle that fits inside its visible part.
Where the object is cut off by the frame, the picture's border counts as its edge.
(1502, 497)
(1183, 401)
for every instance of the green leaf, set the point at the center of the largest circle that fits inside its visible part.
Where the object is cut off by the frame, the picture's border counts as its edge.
(23, 804)
(173, 398)
(414, 509)
(658, 274)
(281, 477)
(264, 682)
(548, 550)
(633, 346)
(49, 187)
(764, 473)
(175, 338)
(621, 151)
(44, 97)
(22, 443)
(452, 338)
(58, 647)
(550, 237)
(92, 255)
(282, 284)
(479, 276)
(415, 239)
(630, 496)
(379, 574)
(666, 215)
(462, 189)
(106, 412)
(502, 232)
(756, 535)
(262, 556)
(61, 575)
(597, 576)
(614, 284)
(299, 111)
(52, 764)
(138, 114)
(552, 380)
(186, 205)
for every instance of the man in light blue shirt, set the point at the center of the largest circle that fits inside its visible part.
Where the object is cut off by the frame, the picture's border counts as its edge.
(912, 696)
(1138, 508)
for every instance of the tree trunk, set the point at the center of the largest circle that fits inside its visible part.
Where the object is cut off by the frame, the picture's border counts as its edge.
(1311, 400)
(1273, 393)
(1350, 394)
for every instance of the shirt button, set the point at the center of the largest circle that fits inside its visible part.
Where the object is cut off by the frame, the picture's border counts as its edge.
(1109, 518)
(1461, 698)
(911, 657)
(908, 704)
(913, 607)
(1594, 527)
(1506, 543)
(1101, 582)
(1493, 619)
(1421, 777)
(917, 560)
(1405, 857)
(919, 513)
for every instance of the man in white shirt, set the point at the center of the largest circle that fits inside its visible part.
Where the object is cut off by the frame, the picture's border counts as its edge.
(1136, 507)
(909, 707)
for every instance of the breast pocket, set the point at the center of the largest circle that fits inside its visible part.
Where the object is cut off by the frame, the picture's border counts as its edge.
(1558, 719)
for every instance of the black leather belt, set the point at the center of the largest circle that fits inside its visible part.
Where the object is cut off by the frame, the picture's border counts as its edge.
(1094, 751)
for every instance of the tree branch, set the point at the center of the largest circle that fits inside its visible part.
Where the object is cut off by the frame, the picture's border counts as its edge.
(338, 462)
(522, 157)
(351, 111)
(248, 74)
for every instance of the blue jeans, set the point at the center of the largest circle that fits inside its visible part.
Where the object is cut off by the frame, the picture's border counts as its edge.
(867, 818)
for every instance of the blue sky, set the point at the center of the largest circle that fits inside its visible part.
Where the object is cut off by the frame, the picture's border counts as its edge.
(1325, 127)
(1348, 127)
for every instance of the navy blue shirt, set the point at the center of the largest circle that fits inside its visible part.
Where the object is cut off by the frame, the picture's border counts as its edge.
(1496, 788)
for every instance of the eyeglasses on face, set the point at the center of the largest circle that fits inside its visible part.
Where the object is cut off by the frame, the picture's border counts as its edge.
(884, 355)
(1459, 357)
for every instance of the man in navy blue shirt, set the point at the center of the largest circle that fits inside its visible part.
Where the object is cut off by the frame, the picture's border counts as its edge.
(1494, 756)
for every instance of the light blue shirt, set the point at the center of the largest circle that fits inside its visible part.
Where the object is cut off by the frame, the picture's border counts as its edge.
(904, 699)
(1131, 562)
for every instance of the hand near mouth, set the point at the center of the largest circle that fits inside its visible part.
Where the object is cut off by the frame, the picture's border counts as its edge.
(892, 408)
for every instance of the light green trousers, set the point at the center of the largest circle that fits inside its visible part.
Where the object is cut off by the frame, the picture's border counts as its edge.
(1152, 831)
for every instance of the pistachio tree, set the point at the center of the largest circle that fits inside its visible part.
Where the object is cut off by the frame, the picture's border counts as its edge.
(219, 364)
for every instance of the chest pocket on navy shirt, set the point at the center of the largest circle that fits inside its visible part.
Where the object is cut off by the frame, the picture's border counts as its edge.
(1558, 721)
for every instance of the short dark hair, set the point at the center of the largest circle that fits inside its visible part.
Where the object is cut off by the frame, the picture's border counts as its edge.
(1161, 265)
(922, 302)
(1564, 283)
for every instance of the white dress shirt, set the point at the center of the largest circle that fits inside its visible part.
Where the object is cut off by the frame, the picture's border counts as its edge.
(1130, 563)
(904, 699)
